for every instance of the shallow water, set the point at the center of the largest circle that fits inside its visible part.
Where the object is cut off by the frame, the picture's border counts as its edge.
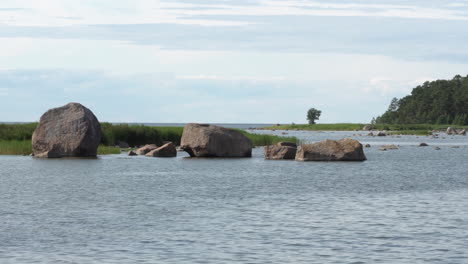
(401, 206)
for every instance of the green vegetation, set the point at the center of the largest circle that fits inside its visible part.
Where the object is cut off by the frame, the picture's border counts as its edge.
(15, 147)
(15, 139)
(312, 115)
(264, 140)
(319, 127)
(23, 147)
(438, 102)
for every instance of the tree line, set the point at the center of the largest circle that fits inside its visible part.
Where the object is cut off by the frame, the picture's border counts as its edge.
(436, 102)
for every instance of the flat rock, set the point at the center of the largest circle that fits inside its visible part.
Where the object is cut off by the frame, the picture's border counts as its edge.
(145, 149)
(68, 131)
(201, 140)
(332, 150)
(167, 150)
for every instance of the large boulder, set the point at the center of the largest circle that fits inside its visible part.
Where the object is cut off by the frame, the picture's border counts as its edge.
(280, 151)
(68, 131)
(200, 140)
(167, 150)
(332, 150)
(146, 149)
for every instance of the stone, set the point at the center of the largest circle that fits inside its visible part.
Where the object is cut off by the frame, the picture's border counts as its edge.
(423, 145)
(145, 149)
(462, 132)
(371, 134)
(132, 153)
(367, 128)
(388, 147)
(202, 140)
(367, 145)
(381, 134)
(451, 131)
(68, 131)
(281, 151)
(167, 150)
(436, 148)
(332, 150)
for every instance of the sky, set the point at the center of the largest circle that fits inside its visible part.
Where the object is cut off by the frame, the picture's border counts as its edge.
(224, 61)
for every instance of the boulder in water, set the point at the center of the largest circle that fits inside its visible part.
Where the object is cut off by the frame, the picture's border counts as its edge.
(281, 151)
(201, 140)
(145, 149)
(332, 150)
(68, 131)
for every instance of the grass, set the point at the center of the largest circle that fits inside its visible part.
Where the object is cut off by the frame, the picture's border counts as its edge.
(406, 129)
(264, 140)
(23, 147)
(15, 147)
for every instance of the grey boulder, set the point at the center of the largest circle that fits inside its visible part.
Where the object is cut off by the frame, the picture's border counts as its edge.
(332, 150)
(281, 151)
(68, 131)
(201, 140)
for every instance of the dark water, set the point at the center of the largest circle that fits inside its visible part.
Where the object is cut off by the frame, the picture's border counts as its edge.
(403, 206)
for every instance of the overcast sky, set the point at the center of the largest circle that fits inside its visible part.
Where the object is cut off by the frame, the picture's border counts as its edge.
(224, 61)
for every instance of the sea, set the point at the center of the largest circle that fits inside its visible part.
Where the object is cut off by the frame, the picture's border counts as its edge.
(400, 206)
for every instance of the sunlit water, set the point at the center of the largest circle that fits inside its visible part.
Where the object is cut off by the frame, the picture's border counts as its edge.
(402, 206)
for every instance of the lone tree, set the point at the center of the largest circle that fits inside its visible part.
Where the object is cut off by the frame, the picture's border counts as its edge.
(312, 115)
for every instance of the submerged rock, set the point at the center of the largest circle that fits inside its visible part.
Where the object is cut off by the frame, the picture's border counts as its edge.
(282, 150)
(145, 149)
(68, 131)
(167, 150)
(388, 147)
(200, 140)
(332, 150)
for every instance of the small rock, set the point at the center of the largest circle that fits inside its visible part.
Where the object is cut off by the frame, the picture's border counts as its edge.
(167, 150)
(367, 128)
(451, 131)
(381, 134)
(388, 147)
(145, 149)
(132, 153)
(371, 134)
(423, 145)
(462, 132)
(436, 148)
(367, 145)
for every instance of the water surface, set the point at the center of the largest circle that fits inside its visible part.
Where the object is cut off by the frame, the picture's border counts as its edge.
(403, 206)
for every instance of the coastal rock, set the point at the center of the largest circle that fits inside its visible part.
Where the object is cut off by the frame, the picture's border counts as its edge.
(436, 148)
(451, 131)
(388, 147)
(145, 149)
(131, 153)
(332, 150)
(167, 150)
(68, 131)
(367, 145)
(462, 132)
(381, 134)
(282, 150)
(423, 145)
(200, 140)
(371, 134)
(367, 128)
